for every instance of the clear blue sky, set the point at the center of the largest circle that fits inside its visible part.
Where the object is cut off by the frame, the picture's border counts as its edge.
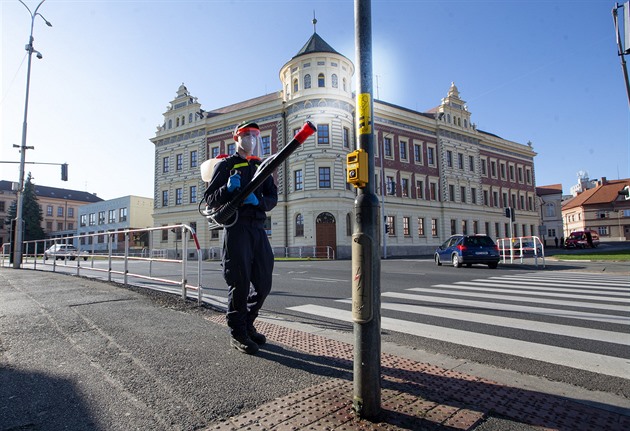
(539, 71)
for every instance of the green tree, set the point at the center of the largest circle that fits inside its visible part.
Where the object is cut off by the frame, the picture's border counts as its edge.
(31, 213)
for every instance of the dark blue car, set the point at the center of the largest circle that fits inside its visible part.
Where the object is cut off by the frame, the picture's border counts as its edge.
(468, 249)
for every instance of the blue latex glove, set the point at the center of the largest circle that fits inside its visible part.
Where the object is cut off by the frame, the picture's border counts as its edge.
(251, 200)
(234, 182)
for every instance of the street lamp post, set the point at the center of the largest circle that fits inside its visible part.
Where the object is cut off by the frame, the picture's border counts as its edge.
(17, 250)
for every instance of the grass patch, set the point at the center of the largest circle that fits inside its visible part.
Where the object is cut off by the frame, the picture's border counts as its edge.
(617, 255)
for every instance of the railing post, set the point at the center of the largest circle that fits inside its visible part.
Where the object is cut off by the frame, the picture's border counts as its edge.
(109, 256)
(184, 259)
(126, 270)
(35, 261)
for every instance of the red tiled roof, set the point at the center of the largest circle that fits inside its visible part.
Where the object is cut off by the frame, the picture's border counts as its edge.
(551, 189)
(602, 194)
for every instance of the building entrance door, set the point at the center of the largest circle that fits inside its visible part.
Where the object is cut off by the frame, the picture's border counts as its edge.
(326, 235)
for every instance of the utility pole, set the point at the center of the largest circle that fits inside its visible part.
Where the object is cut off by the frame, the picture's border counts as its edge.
(366, 265)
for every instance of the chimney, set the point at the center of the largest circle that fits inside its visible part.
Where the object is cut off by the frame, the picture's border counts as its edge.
(603, 181)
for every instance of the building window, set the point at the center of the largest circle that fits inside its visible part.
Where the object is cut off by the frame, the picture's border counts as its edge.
(451, 192)
(471, 163)
(295, 85)
(485, 198)
(164, 198)
(483, 167)
(460, 161)
(122, 214)
(493, 169)
(92, 219)
(475, 227)
(307, 81)
(324, 178)
(497, 229)
(387, 147)
(417, 153)
(215, 152)
(165, 165)
(449, 158)
(502, 171)
(453, 226)
(511, 173)
(391, 225)
(321, 81)
(432, 191)
(323, 136)
(83, 220)
(420, 189)
(49, 210)
(164, 233)
(59, 211)
(178, 196)
(298, 180)
(231, 148)
(346, 137)
(193, 159)
(299, 225)
(391, 186)
(420, 226)
(193, 194)
(465, 227)
(495, 199)
(335, 81)
(520, 175)
(404, 185)
(473, 195)
(406, 231)
(111, 216)
(59, 225)
(403, 150)
(462, 194)
(265, 145)
(434, 227)
(179, 162)
(71, 212)
(101, 217)
(528, 175)
(349, 224)
(431, 156)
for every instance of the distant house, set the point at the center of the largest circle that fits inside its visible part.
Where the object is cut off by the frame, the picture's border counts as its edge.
(601, 209)
(550, 201)
(59, 208)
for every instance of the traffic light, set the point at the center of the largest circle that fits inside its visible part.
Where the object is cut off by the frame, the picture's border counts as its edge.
(64, 172)
(509, 213)
(625, 192)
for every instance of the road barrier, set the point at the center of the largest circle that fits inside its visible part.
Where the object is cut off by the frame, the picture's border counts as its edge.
(520, 248)
(36, 253)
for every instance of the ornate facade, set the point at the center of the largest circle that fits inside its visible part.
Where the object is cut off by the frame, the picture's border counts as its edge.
(437, 174)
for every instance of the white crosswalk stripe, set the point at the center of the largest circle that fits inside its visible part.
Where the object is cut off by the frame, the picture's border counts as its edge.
(524, 315)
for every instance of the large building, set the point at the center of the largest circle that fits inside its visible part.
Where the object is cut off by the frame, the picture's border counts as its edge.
(550, 202)
(436, 173)
(59, 209)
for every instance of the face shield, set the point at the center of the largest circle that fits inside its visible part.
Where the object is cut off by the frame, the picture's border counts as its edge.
(247, 138)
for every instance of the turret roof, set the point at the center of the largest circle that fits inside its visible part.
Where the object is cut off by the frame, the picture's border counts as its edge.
(315, 44)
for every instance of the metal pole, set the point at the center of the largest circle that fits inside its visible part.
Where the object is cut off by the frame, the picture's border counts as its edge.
(19, 234)
(366, 264)
(621, 48)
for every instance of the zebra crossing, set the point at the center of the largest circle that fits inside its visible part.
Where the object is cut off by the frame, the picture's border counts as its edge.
(578, 320)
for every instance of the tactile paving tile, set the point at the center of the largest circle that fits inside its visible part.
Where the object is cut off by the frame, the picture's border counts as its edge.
(414, 396)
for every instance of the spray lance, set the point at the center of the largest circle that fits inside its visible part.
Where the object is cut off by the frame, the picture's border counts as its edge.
(218, 217)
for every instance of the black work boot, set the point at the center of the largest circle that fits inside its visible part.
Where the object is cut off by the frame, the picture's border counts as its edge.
(244, 344)
(256, 336)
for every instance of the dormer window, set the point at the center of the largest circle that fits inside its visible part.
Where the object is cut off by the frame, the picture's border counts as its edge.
(321, 81)
(307, 81)
(170, 124)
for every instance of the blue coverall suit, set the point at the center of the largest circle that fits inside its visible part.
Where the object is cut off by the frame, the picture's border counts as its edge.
(247, 255)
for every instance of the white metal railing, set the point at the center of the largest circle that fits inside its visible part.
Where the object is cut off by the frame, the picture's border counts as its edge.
(35, 252)
(520, 248)
(303, 252)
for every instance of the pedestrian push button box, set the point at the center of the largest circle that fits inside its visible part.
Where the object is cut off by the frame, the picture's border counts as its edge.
(357, 168)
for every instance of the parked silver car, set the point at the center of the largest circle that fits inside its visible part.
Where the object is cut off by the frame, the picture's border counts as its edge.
(62, 251)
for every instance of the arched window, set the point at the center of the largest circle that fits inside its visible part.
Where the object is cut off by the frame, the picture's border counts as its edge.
(190, 118)
(448, 118)
(465, 123)
(335, 81)
(299, 225)
(295, 85)
(177, 122)
(321, 81)
(183, 120)
(307, 81)
(170, 124)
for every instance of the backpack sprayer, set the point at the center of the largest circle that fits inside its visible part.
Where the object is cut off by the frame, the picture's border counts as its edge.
(219, 217)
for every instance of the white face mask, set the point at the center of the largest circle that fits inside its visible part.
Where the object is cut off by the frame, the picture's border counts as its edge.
(247, 143)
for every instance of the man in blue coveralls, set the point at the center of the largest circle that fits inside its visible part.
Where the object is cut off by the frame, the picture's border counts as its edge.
(247, 255)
